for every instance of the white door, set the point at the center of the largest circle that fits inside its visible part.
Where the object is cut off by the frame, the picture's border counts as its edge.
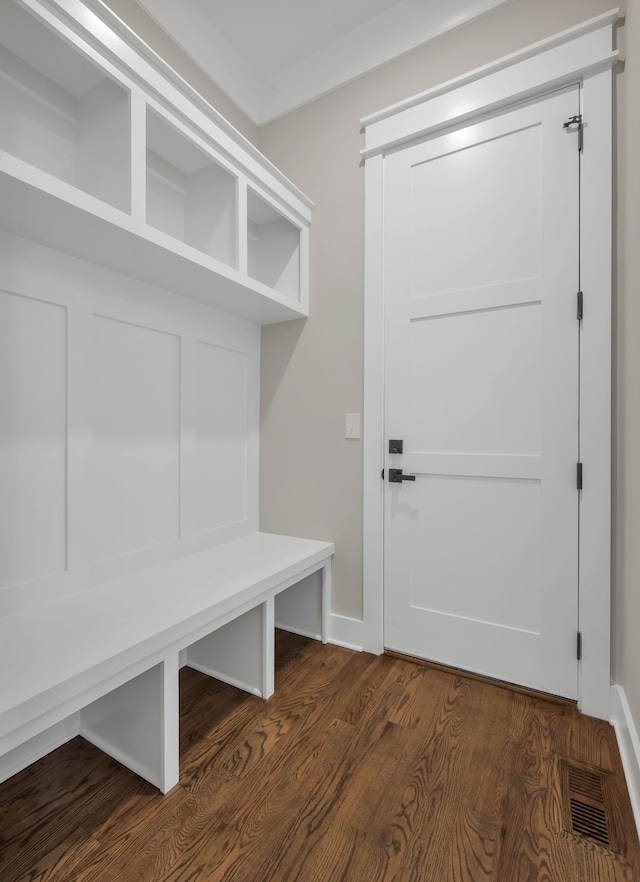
(481, 257)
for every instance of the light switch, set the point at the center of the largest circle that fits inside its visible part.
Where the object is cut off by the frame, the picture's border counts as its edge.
(352, 428)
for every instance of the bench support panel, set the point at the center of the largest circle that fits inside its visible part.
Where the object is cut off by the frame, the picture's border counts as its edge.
(239, 653)
(137, 724)
(299, 608)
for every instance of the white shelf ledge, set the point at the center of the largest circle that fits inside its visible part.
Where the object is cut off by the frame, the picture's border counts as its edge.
(40, 207)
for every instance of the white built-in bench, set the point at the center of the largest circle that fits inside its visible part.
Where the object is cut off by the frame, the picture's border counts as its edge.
(108, 657)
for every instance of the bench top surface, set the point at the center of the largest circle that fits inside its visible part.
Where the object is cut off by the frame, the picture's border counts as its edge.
(46, 646)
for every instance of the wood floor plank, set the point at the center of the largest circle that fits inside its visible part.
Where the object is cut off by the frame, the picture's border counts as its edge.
(311, 783)
(413, 830)
(234, 740)
(331, 857)
(289, 719)
(533, 845)
(162, 854)
(132, 824)
(311, 780)
(409, 681)
(476, 834)
(289, 651)
(358, 769)
(78, 848)
(57, 816)
(219, 718)
(381, 774)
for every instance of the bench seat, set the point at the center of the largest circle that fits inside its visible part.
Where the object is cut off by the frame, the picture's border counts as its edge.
(111, 653)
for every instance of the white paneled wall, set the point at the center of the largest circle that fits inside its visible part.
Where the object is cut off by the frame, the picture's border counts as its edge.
(128, 425)
(135, 463)
(221, 436)
(33, 403)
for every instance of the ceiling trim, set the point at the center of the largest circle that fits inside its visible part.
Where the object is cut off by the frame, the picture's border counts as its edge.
(586, 27)
(387, 35)
(197, 36)
(365, 48)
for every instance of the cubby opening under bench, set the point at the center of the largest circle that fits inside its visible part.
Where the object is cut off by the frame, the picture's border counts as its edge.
(104, 662)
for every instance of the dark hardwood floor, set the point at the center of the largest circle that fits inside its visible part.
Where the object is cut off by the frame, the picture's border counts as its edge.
(359, 768)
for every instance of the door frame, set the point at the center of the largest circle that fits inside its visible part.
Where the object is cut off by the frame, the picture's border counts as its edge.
(582, 55)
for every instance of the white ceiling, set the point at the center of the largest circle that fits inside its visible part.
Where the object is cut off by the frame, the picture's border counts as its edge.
(270, 56)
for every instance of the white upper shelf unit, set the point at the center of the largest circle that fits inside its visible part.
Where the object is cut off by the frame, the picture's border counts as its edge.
(108, 155)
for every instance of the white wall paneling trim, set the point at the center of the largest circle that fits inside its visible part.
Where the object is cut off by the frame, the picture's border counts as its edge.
(126, 317)
(582, 55)
(629, 746)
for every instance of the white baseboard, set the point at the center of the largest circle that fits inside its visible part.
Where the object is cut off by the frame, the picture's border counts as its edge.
(224, 678)
(301, 632)
(350, 633)
(629, 746)
(123, 758)
(40, 745)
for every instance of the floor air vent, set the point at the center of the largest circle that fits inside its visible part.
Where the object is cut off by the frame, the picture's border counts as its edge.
(586, 813)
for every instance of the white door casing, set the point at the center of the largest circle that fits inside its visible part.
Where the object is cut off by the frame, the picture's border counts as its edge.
(582, 56)
(481, 254)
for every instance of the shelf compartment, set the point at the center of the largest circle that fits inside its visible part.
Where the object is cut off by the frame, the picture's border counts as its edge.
(273, 247)
(60, 112)
(41, 208)
(189, 196)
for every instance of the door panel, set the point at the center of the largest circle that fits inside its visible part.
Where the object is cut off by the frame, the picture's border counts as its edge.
(488, 362)
(481, 382)
(480, 213)
(466, 556)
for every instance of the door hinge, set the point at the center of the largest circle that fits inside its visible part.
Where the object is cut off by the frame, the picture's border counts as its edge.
(579, 475)
(579, 647)
(580, 306)
(382, 475)
(575, 124)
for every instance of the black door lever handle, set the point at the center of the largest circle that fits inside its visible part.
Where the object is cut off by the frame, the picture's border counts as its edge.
(396, 476)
